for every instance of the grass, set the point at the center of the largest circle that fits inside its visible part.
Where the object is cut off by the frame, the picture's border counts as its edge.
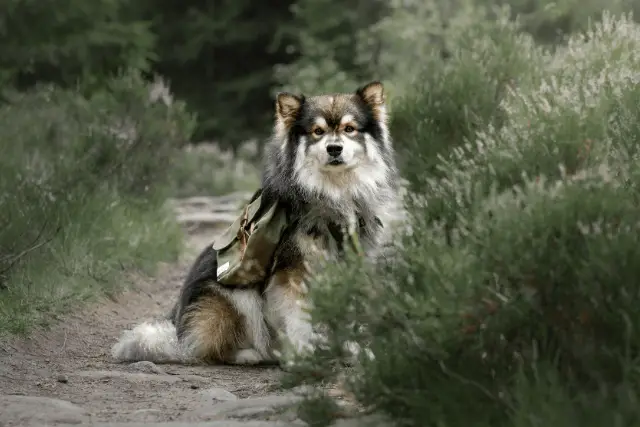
(91, 257)
(83, 180)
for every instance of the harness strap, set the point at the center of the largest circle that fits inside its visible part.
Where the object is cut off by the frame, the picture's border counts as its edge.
(339, 236)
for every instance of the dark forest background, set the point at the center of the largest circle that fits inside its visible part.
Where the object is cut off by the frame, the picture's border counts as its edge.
(225, 58)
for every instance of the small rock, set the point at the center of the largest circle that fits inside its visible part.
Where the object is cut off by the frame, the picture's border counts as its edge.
(62, 379)
(241, 407)
(19, 410)
(253, 412)
(217, 393)
(194, 386)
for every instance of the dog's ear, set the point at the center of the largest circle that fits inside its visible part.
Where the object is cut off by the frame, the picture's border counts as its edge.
(373, 95)
(287, 108)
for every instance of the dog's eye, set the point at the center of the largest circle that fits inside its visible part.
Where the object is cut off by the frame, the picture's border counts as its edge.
(318, 131)
(349, 129)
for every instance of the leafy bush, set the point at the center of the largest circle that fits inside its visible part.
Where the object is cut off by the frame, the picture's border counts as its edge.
(520, 309)
(396, 40)
(82, 182)
(450, 100)
(565, 120)
(552, 21)
(204, 170)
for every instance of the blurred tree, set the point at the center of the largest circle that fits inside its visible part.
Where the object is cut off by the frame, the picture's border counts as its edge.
(218, 56)
(67, 41)
(327, 35)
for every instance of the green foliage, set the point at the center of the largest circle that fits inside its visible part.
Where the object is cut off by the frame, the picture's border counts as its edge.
(70, 41)
(552, 21)
(199, 171)
(218, 57)
(395, 40)
(227, 58)
(450, 100)
(519, 308)
(329, 57)
(83, 180)
(581, 89)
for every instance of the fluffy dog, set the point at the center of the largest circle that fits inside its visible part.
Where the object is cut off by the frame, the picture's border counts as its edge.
(330, 166)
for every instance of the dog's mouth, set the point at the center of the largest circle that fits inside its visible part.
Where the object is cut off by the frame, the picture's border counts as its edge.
(335, 162)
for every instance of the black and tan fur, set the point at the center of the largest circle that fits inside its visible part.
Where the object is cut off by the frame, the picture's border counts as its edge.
(330, 165)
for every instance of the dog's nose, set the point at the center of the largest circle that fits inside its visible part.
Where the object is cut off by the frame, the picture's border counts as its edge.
(334, 150)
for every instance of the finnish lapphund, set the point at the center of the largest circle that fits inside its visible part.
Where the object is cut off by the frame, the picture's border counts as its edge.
(330, 166)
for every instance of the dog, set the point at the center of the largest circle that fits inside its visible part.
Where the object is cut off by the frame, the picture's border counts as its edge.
(330, 166)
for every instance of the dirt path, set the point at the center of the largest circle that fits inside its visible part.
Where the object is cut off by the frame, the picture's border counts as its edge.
(64, 375)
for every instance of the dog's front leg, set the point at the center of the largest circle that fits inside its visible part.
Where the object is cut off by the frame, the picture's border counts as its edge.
(286, 310)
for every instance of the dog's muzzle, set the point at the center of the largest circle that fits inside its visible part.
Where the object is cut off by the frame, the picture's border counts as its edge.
(335, 152)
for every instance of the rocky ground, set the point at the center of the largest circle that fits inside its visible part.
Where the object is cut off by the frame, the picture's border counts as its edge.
(64, 375)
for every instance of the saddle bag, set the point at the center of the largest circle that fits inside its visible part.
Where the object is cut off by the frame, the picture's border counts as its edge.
(245, 250)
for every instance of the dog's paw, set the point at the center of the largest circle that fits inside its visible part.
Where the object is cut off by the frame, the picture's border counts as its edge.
(289, 352)
(247, 356)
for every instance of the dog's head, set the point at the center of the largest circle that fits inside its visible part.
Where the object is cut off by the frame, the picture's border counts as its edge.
(335, 141)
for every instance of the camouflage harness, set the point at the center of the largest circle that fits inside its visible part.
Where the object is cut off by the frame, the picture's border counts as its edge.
(246, 249)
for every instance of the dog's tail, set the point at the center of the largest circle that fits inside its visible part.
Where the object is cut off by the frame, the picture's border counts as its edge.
(154, 341)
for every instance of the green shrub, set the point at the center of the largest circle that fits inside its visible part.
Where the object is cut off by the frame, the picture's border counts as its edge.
(450, 100)
(83, 181)
(395, 40)
(552, 21)
(523, 311)
(566, 122)
(207, 171)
